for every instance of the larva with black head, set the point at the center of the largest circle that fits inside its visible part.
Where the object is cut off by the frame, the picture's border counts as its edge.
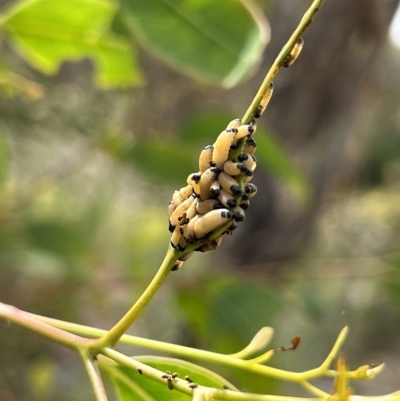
(209, 222)
(294, 54)
(264, 101)
(229, 184)
(178, 212)
(233, 169)
(227, 199)
(222, 146)
(206, 180)
(205, 159)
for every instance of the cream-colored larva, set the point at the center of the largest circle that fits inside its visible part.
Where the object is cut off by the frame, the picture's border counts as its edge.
(250, 189)
(205, 158)
(236, 123)
(186, 256)
(185, 192)
(227, 199)
(222, 146)
(191, 211)
(243, 131)
(178, 212)
(175, 237)
(292, 56)
(215, 189)
(176, 199)
(229, 184)
(177, 265)
(211, 221)
(207, 178)
(231, 168)
(182, 243)
(239, 214)
(170, 209)
(264, 101)
(245, 202)
(193, 180)
(189, 229)
(210, 245)
(206, 206)
(250, 146)
(250, 163)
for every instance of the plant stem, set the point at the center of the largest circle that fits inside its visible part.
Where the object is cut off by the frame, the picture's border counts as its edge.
(94, 376)
(303, 24)
(209, 356)
(25, 319)
(115, 333)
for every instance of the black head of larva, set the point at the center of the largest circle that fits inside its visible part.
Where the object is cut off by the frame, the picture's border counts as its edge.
(231, 203)
(245, 203)
(196, 178)
(242, 157)
(251, 142)
(250, 129)
(218, 206)
(226, 215)
(245, 170)
(258, 112)
(236, 190)
(215, 170)
(215, 192)
(238, 217)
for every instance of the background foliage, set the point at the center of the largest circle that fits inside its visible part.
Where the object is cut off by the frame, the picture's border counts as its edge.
(104, 109)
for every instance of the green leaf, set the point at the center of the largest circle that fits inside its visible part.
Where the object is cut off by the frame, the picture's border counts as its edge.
(203, 129)
(61, 238)
(277, 162)
(238, 312)
(3, 158)
(164, 159)
(47, 32)
(216, 41)
(130, 386)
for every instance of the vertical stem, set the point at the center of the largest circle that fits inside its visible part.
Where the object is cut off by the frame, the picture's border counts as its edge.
(115, 333)
(303, 24)
(94, 376)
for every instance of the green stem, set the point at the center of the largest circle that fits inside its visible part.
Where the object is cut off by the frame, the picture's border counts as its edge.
(116, 332)
(208, 356)
(305, 21)
(94, 376)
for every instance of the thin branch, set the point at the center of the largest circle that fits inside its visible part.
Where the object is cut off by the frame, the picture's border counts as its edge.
(115, 333)
(193, 353)
(94, 375)
(305, 21)
(24, 319)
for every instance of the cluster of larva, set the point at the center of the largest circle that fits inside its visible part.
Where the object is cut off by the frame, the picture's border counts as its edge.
(213, 196)
(219, 192)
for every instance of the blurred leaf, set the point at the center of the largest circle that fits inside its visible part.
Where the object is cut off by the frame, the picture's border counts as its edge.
(62, 238)
(239, 311)
(203, 129)
(41, 378)
(277, 162)
(47, 32)
(131, 386)
(3, 158)
(164, 159)
(215, 41)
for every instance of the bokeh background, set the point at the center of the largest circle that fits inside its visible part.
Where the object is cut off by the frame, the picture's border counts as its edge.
(94, 142)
